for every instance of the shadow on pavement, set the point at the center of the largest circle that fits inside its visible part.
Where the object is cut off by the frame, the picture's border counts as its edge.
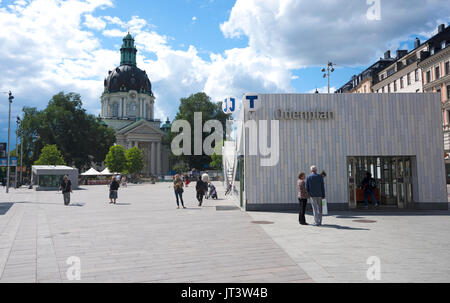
(342, 227)
(77, 205)
(4, 208)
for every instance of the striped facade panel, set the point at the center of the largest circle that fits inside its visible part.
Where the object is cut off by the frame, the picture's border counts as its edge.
(363, 125)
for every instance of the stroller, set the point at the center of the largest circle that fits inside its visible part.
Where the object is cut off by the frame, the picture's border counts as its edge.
(213, 192)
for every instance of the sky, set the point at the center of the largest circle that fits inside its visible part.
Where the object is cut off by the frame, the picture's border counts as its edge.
(222, 47)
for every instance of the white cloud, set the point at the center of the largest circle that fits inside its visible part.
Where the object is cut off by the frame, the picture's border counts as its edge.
(45, 49)
(194, 18)
(113, 33)
(94, 23)
(303, 32)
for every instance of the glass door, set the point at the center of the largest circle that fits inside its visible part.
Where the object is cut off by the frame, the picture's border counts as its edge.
(393, 176)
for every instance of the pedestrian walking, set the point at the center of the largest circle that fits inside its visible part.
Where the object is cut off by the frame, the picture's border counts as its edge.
(124, 181)
(369, 185)
(113, 190)
(66, 188)
(205, 178)
(303, 197)
(315, 187)
(178, 189)
(187, 181)
(201, 187)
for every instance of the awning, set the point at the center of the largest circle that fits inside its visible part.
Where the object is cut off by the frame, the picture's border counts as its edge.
(106, 172)
(91, 172)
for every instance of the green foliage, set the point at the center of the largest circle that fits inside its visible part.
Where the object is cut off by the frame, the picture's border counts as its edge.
(135, 160)
(180, 168)
(81, 137)
(199, 102)
(50, 155)
(116, 160)
(216, 161)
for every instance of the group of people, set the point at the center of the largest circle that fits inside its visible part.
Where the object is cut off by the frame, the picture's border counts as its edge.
(313, 187)
(203, 188)
(66, 188)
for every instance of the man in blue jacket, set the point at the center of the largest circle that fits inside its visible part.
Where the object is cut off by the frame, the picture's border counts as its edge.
(316, 189)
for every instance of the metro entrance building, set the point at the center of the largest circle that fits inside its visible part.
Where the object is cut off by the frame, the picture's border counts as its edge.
(396, 137)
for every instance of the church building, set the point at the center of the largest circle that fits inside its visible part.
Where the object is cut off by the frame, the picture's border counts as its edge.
(128, 108)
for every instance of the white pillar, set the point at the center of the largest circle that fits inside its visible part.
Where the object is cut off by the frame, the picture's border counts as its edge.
(158, 158)
(149, 159)
(154, 158)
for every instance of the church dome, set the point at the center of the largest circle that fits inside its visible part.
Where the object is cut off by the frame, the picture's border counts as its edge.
(128, 77)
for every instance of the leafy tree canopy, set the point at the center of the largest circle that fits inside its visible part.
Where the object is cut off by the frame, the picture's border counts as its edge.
(82, 138)
(135, 160)
(116, 160)
(50, 155)
(199, 102)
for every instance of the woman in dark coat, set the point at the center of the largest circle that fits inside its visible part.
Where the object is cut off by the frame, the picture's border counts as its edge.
(201, 187)
(303, 197)
(113, 189)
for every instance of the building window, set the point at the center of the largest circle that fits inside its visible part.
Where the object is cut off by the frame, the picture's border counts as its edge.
(395, 86)
(115, 110)
(401, 82)
(408, 79)
(428, 76)
(383, 89)
(437, 73)
(416, 75)
(132, 109)
(389, 88)
(448, 92)
(447, 67)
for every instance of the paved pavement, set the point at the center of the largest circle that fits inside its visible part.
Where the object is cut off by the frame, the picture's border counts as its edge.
(143, 238)
(411, 247)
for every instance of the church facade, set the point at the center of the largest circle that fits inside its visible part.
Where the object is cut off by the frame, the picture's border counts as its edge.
(127, 106)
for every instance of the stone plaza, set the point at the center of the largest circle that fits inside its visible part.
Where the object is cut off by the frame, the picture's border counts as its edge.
(145, 238)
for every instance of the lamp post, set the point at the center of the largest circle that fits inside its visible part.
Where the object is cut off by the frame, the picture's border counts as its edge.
(10, 99)
(328, 70)
(17, 150)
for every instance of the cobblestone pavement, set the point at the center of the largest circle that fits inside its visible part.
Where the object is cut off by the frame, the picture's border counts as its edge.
(143, 238)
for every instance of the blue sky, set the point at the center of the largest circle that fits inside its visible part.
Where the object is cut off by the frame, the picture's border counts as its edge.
(225, 48)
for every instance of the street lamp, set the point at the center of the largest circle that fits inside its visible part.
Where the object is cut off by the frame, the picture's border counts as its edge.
(10, 99)
(328, 70)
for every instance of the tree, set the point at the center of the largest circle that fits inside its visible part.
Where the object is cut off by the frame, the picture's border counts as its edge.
(82, 138)
(135, 160)
(202, 103)
(116, 160)
(50, 155)
(216, 161)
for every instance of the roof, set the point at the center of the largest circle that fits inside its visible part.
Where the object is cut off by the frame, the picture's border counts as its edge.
(53, 167)
(91, 172)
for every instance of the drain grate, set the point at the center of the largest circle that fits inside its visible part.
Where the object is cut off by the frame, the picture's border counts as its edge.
(364, 221)
(262, 222)
(226, 207)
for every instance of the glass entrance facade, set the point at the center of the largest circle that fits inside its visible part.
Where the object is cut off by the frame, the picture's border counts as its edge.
(392, 174)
